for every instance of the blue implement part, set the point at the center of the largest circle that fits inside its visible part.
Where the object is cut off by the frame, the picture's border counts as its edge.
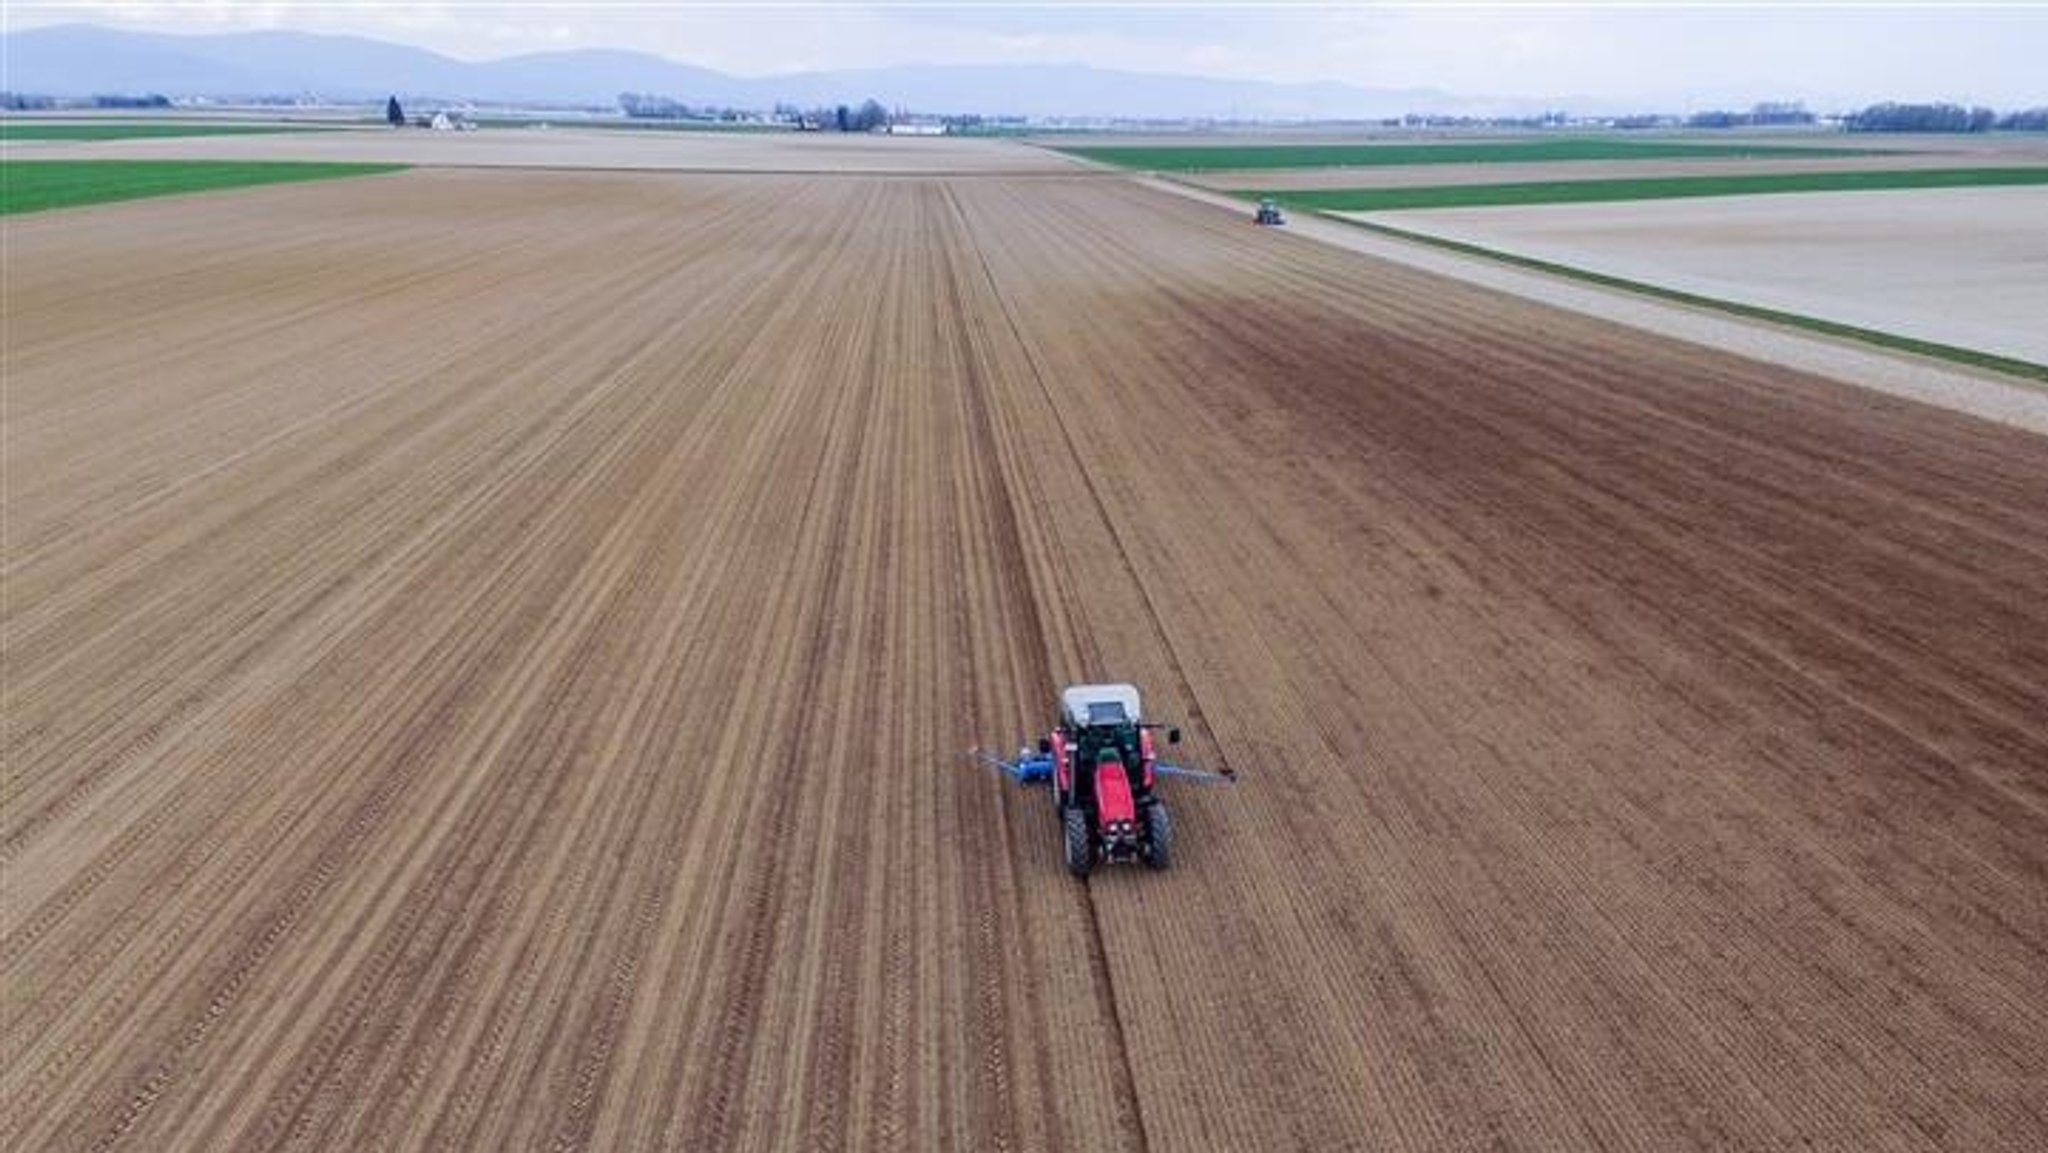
(1028, 769)
(1165, 769)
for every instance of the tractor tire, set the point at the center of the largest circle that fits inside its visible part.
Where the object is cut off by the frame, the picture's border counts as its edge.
(1078, 841)
(1158, 836)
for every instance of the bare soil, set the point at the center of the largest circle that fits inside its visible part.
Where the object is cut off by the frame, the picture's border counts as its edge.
(594, 148)
(488, 661)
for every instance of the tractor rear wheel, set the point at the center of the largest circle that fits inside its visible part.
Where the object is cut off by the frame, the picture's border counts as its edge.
(1158, 836)
(1079, 844)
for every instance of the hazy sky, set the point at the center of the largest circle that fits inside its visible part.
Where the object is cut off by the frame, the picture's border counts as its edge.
(1672, 55)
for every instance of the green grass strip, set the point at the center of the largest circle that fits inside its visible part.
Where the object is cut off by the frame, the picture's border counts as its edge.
(44, 130)
(1197, 158)
(40, 185)
(2025, 369)
(1658, 188)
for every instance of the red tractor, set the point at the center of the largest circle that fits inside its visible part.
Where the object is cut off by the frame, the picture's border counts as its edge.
(1103, 765)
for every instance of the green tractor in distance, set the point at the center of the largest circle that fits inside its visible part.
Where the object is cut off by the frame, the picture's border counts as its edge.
(1269, 213)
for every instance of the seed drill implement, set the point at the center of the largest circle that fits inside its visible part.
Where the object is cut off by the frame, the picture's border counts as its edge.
(1102, 762)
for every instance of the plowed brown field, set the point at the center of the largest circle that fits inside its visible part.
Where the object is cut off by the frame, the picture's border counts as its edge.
(488, 662)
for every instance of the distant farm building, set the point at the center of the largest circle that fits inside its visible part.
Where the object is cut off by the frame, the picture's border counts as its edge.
(449, 122)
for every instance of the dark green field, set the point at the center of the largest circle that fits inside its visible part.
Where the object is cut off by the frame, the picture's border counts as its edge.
(46, 130)
(1175, 158)
(1649, 188)
(37, 185)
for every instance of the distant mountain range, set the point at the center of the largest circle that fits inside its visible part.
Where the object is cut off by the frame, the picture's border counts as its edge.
(83, 60)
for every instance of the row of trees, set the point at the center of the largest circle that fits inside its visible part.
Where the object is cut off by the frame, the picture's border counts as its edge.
(1887, 117)
(1445, 120)
(1771, 114)
(864, 117)
(26, 102)
(1943, 118)
(869, 116)
(646, 106)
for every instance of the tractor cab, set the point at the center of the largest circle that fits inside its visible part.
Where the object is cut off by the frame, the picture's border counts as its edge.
(1103, 773)
(1103, 767)
(1098, 719)
(1269, 213)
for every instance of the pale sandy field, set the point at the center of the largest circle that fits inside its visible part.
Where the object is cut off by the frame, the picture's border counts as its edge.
(587, 148)
(1967, 267)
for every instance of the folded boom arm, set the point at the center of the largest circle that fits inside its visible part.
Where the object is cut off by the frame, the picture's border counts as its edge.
(1029, 768)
